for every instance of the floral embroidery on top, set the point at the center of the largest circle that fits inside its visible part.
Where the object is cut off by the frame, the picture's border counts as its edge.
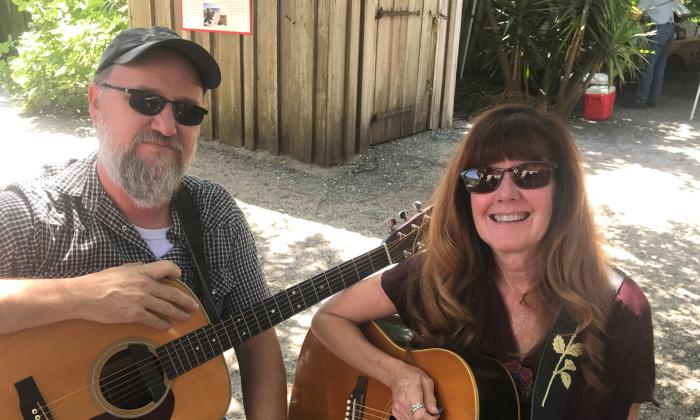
(564, 349)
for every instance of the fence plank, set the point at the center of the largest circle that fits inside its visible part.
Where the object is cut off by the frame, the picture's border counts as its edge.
(296, 69)
(321, 63)
(439, 71)
(267, 95)
(424, 84)
(412, 65)
(229, 117)
(163, 13)
(248, 91)
(352, 79)
(367, 80)
(206, 131)
(337, 46)
(140, 13)
(382, 71)
(397, 68)
(451, 57)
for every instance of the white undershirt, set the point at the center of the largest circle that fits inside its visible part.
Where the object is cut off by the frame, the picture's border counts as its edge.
(156, 240)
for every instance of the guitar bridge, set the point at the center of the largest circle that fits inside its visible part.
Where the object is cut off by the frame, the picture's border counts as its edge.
(31, 403)
(355, 409)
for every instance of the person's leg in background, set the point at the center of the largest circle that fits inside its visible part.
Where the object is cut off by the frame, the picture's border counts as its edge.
(666, 35)
(659, 45)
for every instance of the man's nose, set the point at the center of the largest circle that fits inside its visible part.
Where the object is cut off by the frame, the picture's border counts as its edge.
(164, 122)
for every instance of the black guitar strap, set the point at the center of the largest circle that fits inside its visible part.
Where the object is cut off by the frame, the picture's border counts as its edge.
(189, 217)
(560, 363)
(559, 367)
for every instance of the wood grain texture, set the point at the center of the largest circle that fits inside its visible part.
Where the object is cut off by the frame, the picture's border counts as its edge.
(454, 23)
(60, 358)
(266, 75)
(312, 75)
(297, 78)
(228, 121)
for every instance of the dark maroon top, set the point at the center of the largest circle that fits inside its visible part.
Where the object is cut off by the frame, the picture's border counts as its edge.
(629, 354)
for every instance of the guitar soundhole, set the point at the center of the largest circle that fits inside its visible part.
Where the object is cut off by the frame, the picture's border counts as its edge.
(123, 386)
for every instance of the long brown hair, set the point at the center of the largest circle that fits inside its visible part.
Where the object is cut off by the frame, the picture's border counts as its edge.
(458, 264)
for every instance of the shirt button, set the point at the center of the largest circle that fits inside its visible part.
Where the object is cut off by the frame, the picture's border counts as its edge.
(124, 228)
(213, 291)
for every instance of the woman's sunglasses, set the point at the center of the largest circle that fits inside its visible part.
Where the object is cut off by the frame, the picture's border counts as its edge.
(148, 103)
(528, 175)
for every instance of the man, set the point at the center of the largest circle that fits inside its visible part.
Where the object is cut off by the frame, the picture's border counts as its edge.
(661, 14)
(89, 239)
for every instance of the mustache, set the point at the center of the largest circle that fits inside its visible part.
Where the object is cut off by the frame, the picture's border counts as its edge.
(173, 142)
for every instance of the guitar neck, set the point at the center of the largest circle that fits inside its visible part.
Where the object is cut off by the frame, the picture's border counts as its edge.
(189, 351)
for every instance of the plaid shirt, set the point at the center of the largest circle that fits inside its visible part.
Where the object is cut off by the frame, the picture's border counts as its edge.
(64, 225)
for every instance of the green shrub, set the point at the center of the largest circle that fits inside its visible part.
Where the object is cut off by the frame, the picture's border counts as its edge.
(57, 56)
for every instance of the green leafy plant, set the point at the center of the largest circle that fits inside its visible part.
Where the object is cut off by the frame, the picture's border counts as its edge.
(547, 51)
(57, 55)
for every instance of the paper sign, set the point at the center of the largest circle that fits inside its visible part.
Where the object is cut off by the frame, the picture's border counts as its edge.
(230, 16)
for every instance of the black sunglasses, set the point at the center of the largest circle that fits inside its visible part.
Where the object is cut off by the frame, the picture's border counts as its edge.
(148, 103)
(528, 175)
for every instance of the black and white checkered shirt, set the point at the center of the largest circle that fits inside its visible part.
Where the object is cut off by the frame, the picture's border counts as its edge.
(64, 225)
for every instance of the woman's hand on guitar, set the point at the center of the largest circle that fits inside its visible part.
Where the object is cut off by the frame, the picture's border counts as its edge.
(413, 394)
(131, 293)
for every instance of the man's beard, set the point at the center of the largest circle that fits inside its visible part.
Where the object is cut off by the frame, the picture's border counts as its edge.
(149, 183)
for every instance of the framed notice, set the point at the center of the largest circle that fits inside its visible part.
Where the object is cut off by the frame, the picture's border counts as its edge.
(229, 16)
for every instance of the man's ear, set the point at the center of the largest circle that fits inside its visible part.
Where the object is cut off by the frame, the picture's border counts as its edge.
(93, 97)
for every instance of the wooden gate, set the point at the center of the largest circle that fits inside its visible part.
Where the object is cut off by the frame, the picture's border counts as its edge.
(400, 39)
(322, 80)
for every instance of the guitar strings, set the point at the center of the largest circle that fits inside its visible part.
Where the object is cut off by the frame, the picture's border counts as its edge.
(189, 353)
(371, 411)
(257, 315)
(56, 405)
(331, 279)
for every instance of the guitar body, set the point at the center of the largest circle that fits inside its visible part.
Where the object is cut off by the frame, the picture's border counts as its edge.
(66, 359)
(323, 384)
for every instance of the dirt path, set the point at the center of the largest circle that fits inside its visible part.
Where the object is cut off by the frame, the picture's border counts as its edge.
(643, 178)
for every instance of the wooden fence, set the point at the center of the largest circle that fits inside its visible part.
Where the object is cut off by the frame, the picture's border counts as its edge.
(321, 80)
(12, 21)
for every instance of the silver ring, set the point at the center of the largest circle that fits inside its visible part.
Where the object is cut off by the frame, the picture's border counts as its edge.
(416, 406)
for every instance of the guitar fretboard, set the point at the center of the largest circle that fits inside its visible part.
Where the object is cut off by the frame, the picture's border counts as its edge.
(191, 350)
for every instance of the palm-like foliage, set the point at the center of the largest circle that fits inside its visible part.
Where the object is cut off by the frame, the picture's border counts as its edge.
(549, 49)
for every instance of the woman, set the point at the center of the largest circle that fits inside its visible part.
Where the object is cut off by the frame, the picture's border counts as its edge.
(511, 244)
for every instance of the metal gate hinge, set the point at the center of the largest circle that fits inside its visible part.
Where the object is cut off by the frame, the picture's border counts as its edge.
(382, 13)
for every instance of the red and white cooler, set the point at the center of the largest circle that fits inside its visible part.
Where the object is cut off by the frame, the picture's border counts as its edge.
(598, 102)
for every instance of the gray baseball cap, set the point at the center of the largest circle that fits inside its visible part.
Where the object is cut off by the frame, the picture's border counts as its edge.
(131, 44)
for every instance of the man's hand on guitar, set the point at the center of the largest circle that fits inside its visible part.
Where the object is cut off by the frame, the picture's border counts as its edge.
(413, 394)
(133, 293)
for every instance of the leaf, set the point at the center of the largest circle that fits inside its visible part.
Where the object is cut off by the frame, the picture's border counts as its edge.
(574, 350)
(569, 365)
(565, 379)
(558, 344)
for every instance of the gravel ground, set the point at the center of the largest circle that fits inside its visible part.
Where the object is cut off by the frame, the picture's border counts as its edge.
(643, 178)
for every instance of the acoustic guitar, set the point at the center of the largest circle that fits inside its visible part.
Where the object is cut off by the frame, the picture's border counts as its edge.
(79, 369)
(473, 387)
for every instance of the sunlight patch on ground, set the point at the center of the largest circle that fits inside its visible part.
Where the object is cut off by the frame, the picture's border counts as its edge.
(643, 196)
(691, 153)
(282, 234)
(21, 138)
